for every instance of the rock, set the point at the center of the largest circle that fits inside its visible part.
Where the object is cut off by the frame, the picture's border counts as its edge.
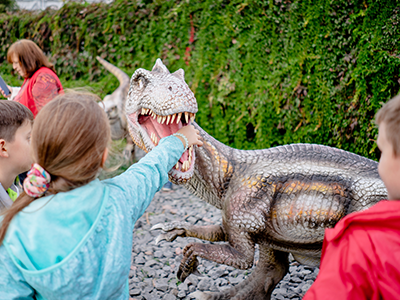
(135, 292)
(204, 284)
(169, 297)
(161, 285)
(183, 287)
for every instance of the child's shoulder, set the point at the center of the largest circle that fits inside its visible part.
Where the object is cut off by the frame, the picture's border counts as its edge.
(381, 217)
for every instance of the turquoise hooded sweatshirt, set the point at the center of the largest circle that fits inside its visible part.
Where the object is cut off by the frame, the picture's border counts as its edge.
(78, 244)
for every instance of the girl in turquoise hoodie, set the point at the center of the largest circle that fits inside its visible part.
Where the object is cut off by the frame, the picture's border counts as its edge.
(69, 235)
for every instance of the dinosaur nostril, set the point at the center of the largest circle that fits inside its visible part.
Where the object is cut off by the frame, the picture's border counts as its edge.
(170, 88)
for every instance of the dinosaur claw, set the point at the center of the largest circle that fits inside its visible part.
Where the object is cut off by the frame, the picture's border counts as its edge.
(197, 273)
(157, 226)
(199, 295)
(160, 238)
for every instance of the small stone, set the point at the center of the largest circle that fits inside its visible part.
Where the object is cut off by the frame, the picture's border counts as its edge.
(183, 287)
(158, 254)
(192, 279)
(135, 292)
(139, 260)
(161, 285)
(204, 284)
(150, 263)
(181, 294)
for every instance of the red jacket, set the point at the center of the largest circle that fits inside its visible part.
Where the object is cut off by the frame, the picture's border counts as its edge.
(361, 257)
(39, 89)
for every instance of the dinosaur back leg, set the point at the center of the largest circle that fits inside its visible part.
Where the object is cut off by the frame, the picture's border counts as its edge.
(271, 268)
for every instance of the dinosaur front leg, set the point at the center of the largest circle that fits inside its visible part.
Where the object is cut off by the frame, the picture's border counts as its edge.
(239, 256)
(212, 233)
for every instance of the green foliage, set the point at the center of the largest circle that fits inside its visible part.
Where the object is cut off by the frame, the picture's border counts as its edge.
(264, 73)
(7, 5)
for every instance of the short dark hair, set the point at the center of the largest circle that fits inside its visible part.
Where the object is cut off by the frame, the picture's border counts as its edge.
(12, 116)
(390, 115)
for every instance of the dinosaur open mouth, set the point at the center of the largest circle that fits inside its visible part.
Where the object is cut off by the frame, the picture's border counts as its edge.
(156, 127)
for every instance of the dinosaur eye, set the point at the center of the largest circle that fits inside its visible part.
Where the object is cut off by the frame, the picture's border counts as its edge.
(170, 88)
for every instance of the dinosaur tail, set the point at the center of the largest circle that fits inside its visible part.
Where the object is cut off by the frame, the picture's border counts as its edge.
(121, 75)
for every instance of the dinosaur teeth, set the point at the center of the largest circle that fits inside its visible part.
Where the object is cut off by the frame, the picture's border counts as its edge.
(159, 119)
(168, 118)
(154, 115)
(143, 111)
(187, 117)
(187, 165)
(163, 119)
(177, 165)
(190, 151)
(173, 118)
(154, 139)
(192, 117)
(178, 118)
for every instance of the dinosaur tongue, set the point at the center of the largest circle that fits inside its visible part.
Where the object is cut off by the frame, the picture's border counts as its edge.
(161, 130)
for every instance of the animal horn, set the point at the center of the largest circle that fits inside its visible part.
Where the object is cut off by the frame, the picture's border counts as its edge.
(160, 67)
(180, 74)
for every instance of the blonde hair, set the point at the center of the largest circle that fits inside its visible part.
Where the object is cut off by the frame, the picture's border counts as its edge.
(390, 115)
(69, 137)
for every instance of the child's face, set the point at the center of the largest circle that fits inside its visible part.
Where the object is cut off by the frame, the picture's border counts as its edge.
(389, 165)
(19, 151)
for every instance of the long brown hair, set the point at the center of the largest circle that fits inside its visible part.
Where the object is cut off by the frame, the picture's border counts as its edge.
(69, 137)
(30, 56)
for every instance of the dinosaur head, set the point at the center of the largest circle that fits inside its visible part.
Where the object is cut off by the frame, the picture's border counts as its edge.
(159, 104)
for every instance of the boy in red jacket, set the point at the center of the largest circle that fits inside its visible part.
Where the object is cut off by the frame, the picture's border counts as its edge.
(361, 255)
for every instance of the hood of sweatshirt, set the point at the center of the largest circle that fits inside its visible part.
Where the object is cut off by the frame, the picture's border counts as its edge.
(50, 228)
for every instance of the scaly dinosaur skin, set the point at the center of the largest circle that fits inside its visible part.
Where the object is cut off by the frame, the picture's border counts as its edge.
(280, 198)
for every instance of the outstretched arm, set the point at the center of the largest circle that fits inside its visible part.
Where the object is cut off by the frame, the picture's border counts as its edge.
(142, 180)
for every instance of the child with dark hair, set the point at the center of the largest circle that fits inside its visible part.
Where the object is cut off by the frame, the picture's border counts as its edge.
(15, 132)
(69, 235)
(361, 255)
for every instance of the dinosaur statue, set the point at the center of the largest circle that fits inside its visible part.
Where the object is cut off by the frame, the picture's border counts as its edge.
(280, 198)
(114, 106)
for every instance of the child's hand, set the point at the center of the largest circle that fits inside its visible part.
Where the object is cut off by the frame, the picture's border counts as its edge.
(191, 134)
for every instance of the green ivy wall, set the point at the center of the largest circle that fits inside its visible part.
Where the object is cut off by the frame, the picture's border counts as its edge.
(264, 73)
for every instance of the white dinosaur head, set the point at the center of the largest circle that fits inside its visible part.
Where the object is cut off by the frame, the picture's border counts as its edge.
(159, 104)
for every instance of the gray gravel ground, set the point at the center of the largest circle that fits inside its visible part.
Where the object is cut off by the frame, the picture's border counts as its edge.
(154, 267)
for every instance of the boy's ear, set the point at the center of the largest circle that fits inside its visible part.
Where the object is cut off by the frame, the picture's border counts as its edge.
(3, 148)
